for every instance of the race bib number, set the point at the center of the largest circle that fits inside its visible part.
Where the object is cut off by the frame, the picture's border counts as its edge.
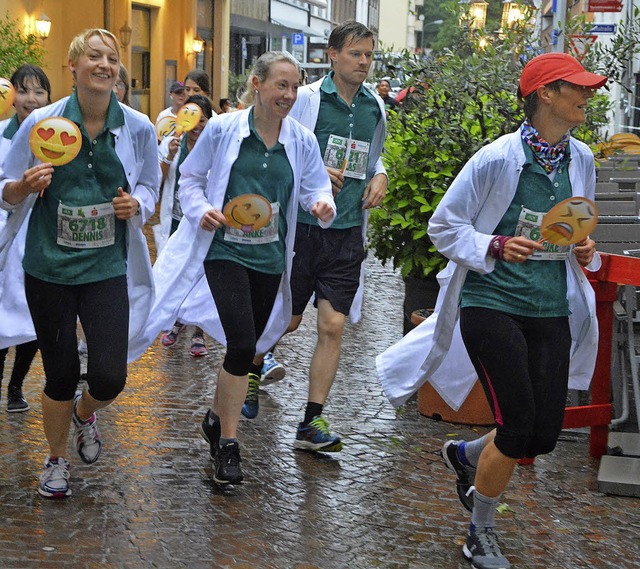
(529, 226)
(87, 226)
(266, 234)
(347, 155)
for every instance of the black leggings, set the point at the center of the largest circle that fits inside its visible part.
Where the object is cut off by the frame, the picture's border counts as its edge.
(21, 363)
(244, 299)
(103, 309)
(523, 365)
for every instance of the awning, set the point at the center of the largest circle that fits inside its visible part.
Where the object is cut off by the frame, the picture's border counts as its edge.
(298, 28)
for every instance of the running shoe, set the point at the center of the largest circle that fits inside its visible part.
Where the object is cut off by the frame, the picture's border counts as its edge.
(227, 464)
(54, 480)
(198, 349)
(87, 436)
(251, 404)
(316, 436)
(465, 475)
(170, 338)
(272, 370)
(16, 403)
(210, 432)
(483, 551)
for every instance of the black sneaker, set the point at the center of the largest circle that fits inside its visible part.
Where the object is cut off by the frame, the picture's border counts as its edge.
(465, 474)
(483, 551)
(227, 464)
(16, 403)
(211, 434)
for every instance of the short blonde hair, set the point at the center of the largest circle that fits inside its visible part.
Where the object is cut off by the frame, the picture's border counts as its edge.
(79, 43)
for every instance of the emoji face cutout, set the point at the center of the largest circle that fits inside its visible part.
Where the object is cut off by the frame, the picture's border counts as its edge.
(7, 94)
(187, 118)
(166, 126)
(56, 140)
(570, 221)
(248, 212)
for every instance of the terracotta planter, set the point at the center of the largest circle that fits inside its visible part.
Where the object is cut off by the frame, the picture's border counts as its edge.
(474, 411)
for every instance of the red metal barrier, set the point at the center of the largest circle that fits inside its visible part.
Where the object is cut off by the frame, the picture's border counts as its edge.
(616, 270)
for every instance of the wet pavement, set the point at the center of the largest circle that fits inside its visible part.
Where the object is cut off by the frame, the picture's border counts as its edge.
(385, 501)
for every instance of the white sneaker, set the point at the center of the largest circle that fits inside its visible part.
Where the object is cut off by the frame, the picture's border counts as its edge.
(54, 480)
(87, 436)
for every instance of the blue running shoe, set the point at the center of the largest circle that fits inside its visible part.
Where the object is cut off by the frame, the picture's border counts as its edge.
(251, 404)
(316, 436)
(272, 370)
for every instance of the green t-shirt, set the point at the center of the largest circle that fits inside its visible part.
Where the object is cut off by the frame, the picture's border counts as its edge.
(12, 128)
(339, 121)
(70, 219)
(533, 288)
(267, 173)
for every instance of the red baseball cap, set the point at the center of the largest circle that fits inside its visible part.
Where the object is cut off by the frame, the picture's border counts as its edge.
(549, 67)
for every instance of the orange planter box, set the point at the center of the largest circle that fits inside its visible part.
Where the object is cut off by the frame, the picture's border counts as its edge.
(474, 411)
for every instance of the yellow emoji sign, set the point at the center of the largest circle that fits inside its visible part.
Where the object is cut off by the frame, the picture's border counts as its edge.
(248, 212)
(7, 94)
(166, 126)
(187, 118)
(56, 140)
(570, 221)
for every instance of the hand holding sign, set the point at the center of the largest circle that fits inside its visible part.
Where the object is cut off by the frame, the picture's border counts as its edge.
(570, 221)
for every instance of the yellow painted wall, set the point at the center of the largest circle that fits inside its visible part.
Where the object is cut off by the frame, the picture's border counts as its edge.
(173, 27)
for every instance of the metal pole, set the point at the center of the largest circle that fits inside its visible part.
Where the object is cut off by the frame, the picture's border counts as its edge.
(559, 21)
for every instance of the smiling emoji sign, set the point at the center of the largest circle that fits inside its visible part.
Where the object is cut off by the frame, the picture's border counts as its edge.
(570, 221)
(187, 118)
(249, 212)
(56, 140)
(7, 94)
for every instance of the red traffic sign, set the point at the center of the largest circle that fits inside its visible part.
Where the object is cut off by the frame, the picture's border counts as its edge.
(604, 5)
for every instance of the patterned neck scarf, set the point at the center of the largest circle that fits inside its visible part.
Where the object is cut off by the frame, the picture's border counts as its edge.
(549, 157)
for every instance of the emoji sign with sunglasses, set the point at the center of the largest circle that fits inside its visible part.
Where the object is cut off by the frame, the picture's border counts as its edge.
(248, 212)
(56, 140)
(570, 221)
(7, 94)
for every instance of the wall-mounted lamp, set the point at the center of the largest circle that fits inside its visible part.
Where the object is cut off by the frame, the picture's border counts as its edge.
(198, 44)
(125, 34)
(43, 26)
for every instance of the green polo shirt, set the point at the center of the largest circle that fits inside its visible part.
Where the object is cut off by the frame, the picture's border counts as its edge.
(12, 128)
(92, 178)
(533, 288)
(266, 172)
(356, 121)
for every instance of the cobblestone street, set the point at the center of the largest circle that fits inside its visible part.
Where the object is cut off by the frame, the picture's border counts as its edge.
(387, 500)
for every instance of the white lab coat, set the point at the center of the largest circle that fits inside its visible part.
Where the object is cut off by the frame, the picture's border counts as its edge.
(162, 230)
(461, 228)
(136, 146)
(305, 111)
(182, 291)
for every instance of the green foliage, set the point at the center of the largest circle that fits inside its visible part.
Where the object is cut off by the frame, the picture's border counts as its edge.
(465, 97)
(17, 48)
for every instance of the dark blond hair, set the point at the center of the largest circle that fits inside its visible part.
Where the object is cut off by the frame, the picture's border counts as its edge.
(261, 71)
(79, 43)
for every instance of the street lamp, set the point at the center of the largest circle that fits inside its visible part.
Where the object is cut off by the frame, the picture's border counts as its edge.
(513, 13)
(477, 13)
(425, 25)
